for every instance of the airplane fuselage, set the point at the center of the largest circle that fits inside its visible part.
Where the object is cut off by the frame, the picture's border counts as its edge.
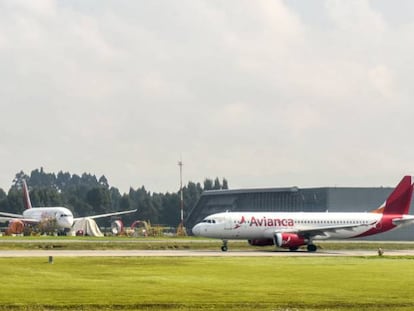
(62, 215)
(239, 225)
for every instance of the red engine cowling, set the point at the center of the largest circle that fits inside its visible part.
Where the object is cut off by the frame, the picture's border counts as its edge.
(289, 240)
(16, 226)
(263, 242)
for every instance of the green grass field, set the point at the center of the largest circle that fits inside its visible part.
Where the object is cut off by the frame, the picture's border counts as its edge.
(267, 283)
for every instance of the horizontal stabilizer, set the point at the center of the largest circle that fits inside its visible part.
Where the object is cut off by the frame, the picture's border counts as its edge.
(405, 220)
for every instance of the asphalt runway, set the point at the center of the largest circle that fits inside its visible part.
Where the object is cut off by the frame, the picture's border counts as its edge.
(195, 253)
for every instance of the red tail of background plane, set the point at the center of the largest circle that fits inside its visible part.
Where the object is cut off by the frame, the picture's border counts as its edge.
(399, 201)
(26, 197)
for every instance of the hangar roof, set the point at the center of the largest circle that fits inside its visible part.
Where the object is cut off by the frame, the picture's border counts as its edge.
(249, 190)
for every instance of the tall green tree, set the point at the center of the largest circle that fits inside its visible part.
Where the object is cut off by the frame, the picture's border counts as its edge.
(99, 199)
(225, 184)
(208, 184)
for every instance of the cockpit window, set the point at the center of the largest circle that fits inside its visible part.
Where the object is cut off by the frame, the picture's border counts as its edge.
(209, 221)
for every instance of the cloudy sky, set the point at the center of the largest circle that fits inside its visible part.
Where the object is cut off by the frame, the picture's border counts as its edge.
(263, 93)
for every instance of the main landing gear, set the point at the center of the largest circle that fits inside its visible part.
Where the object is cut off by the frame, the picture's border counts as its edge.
(224, 246)
(309, 247)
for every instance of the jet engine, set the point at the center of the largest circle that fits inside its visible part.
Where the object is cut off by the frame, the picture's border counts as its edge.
(117, 227)
(16, 226)
(289, 240)
(262, 242)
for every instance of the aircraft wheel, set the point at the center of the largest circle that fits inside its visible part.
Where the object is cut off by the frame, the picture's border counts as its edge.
(312, 248)
(293, 249)
(224, 246)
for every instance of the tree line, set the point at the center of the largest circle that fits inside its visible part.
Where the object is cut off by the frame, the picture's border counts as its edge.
(87, 195)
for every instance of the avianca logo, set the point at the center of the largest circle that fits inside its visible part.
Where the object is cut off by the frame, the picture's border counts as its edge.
(266, 222)
(238, 225)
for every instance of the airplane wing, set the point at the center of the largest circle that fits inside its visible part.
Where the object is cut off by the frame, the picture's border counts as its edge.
(11, 215)
(106, 215)
(4, 217)
(322, 230)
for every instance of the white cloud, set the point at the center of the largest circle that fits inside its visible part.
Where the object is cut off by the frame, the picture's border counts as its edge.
(257, 92)
(357, 17)
(382, 80)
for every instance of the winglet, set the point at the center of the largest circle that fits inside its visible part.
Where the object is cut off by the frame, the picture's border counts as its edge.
(399, 201)
(26, 197)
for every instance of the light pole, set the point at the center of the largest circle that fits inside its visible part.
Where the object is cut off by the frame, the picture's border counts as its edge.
(181, 229)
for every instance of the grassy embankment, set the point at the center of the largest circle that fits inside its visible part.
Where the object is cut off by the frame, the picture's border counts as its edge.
(295, 283)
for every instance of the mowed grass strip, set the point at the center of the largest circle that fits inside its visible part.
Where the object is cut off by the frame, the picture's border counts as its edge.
(155, 283)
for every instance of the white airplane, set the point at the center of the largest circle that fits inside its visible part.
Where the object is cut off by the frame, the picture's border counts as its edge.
(292, 230)
(62, 216)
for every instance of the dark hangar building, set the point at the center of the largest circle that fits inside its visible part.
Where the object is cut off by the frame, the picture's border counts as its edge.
(294, 199)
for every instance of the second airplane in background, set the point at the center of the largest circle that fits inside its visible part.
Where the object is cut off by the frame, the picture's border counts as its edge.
(292, 230)
(62, 216)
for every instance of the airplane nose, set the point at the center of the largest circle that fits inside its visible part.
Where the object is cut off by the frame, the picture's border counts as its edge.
(66, 222)
(70, 222)
(196, 230)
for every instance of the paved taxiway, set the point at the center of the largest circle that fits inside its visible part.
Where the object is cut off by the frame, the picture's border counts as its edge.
(195, 253)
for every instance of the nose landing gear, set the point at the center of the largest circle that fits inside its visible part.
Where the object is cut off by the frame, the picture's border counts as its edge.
(224, 246)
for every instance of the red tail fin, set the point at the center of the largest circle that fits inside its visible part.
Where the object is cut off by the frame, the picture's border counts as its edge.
(26, 197)
(399, 201)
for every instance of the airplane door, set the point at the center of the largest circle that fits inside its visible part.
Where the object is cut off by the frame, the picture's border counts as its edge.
(228, 223)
